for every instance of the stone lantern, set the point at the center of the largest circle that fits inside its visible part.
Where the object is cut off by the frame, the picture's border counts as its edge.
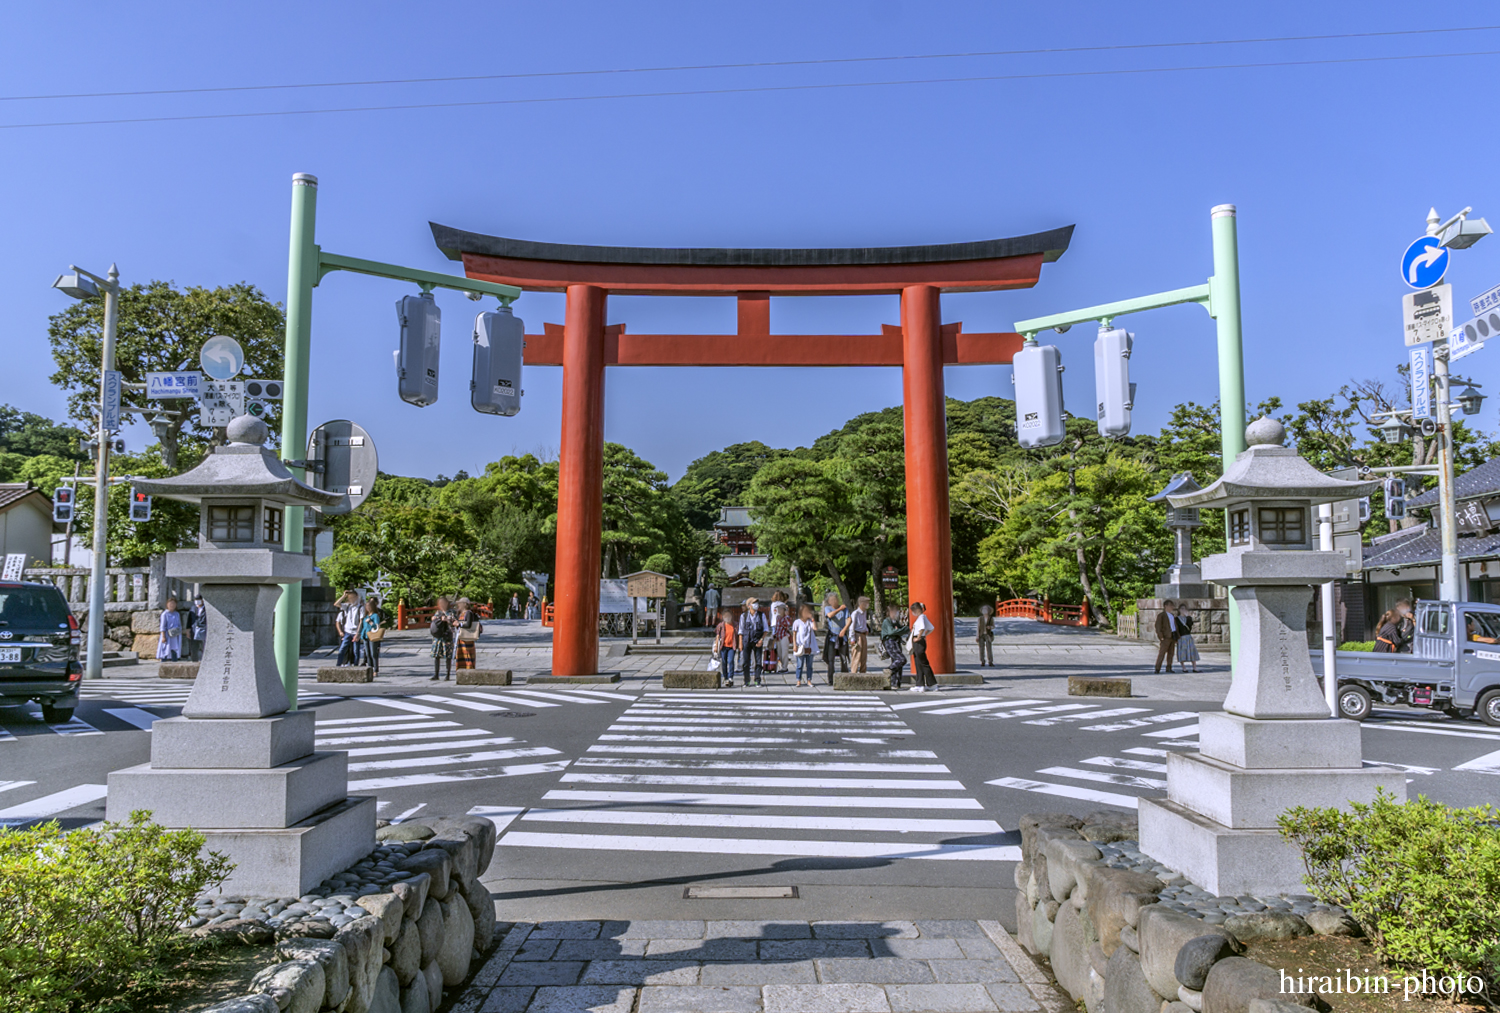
(1274, 745)
(238, 766)
(1183, 579)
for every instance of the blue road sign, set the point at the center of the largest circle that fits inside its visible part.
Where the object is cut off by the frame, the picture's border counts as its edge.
(112, 389)
(1424, 263)
(1421, 382)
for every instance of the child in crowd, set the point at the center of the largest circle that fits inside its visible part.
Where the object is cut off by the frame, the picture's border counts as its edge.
(726, 645)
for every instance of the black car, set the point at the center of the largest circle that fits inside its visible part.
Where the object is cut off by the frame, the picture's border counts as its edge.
(39, 641)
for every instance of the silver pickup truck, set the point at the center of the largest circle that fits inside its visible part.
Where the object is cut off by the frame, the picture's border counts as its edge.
(1454, 666)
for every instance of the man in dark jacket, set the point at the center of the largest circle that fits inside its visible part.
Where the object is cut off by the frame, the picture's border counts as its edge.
(1167, 632)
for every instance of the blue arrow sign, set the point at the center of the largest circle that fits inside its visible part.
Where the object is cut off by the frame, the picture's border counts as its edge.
(1424, 263)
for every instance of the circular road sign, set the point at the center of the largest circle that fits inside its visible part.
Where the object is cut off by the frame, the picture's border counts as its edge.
(1424, 263)
(221, 357)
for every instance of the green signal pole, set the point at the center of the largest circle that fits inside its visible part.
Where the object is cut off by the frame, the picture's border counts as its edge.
(306, 266)
(1221, 297)
(302, 275)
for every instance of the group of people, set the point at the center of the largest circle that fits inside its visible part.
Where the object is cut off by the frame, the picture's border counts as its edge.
(360, 631)
(183, 633)
(454, 628)
(760, 641)
(1174, 637)
(531, 610)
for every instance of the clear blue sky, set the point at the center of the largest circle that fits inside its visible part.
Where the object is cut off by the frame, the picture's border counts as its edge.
(1333, 167)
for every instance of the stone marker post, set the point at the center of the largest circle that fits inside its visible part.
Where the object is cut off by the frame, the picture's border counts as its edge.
(1274, 745)
(238, 766)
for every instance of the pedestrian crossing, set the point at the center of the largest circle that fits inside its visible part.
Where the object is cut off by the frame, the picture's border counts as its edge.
(776, 775)
(406, 749)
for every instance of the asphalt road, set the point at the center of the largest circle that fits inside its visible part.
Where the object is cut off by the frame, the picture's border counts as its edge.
(611, 801)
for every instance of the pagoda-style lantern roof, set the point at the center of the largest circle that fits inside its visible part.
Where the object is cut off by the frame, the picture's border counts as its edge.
(242, 469)
(1269, 470)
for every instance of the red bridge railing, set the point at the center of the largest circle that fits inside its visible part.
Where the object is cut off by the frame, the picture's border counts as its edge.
(418, 618)
(1043, 611)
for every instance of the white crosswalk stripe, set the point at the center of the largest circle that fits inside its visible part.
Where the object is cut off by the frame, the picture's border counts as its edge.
(1026, 712)
(51, 805)
(1090, 716)
(678, 773)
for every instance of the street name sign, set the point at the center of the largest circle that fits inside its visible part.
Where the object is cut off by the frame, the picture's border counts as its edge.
(114, 385)
(1421, 382)
(221, 357)
(183, 383)
(1428, 315)
(1424, 263)
(1482, 304)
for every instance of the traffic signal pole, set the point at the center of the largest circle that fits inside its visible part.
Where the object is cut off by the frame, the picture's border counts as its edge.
(306, 266)
(1220, 296)
(98, 578)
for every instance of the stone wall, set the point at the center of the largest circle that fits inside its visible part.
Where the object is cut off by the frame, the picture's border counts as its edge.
(1210, 619)
(408, 922)
(1126, 935)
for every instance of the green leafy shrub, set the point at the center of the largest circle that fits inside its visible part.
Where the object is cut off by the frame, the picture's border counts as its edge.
(1421, 879)
(82, 914)
(1357, 645)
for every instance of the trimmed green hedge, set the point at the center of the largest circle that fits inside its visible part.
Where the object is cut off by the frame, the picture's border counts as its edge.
(86, 914)
(1357, 645)
(1421, 879)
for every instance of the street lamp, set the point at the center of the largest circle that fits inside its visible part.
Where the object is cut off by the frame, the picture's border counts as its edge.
(83, 284)
(1470, 399)
(1393, 430)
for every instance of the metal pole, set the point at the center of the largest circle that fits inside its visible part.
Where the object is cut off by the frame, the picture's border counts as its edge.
(68, 531)
(1225, 302)
(1452, 585)
(98, 579)
(1330, 620)
(302, 275)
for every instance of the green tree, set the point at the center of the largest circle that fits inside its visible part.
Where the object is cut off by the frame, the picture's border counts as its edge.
(800, 510)
(871, 464)
(720, 478)
(640, 518)
(159, 329)
(30, 435)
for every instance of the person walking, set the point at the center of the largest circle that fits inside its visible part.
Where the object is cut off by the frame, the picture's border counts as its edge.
(347, 624)
(531, 606)
(371, 633)
(513, 611)
(726, 645)
(752, 629)
(440, 628)
(804, 644)
(1187, 648)
(835, 616)
(711, 606)
(986, 635)
(857, 634)
(197, 628)
(781, 630)
(468, 628)
(892, 632)
(1166, 634)
(169, 644)
(921, 628)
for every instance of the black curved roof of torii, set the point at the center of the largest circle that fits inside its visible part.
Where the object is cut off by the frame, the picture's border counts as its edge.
(456, 242)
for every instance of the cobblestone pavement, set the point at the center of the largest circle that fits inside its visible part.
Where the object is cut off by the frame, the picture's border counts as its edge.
(699, 966)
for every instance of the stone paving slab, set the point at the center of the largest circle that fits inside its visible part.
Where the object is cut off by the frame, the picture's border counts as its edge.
(932, 966)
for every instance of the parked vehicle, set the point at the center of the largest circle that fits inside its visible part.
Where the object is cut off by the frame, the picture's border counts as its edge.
(39, 643)
(1454, 666)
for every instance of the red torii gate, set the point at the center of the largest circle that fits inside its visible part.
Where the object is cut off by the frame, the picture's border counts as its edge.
(922, 345)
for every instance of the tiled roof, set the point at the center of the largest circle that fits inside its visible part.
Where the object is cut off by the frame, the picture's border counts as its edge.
(1473, 484)
(1424, 547)
(12, 493)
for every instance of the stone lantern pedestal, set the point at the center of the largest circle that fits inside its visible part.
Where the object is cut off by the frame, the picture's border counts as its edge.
(238, 766)
(1274, 745)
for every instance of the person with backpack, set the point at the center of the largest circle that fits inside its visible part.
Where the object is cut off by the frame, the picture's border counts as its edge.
(441, 631)
(752, 629)
(726, 646)
(892, 632)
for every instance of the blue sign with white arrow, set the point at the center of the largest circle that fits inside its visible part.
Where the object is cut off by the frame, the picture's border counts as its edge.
(1424, 263)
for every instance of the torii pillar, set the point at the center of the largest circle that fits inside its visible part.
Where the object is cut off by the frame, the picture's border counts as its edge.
(922, 345)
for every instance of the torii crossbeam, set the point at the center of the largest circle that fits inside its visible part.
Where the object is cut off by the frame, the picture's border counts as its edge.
(583, 345)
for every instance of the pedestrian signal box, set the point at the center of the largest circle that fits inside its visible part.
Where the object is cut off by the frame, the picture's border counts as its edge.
(1395, 498)
(499, 341)
(1114, 393)
(1036, 371)
(140, 507)
(417, 358)
(62, 505)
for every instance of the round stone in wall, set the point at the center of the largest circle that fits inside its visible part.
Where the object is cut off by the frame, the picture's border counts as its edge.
(247, 430)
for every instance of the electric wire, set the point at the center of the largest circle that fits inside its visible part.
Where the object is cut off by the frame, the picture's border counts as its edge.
(765, 89)
(754, 65)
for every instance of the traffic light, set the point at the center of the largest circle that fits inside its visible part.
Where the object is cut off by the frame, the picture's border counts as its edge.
(263, 390)
(417, 358)
(1036, 371)
(62, 504)
(499, 340)
(1395, 498)
(1113, 390)
(140, 507)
